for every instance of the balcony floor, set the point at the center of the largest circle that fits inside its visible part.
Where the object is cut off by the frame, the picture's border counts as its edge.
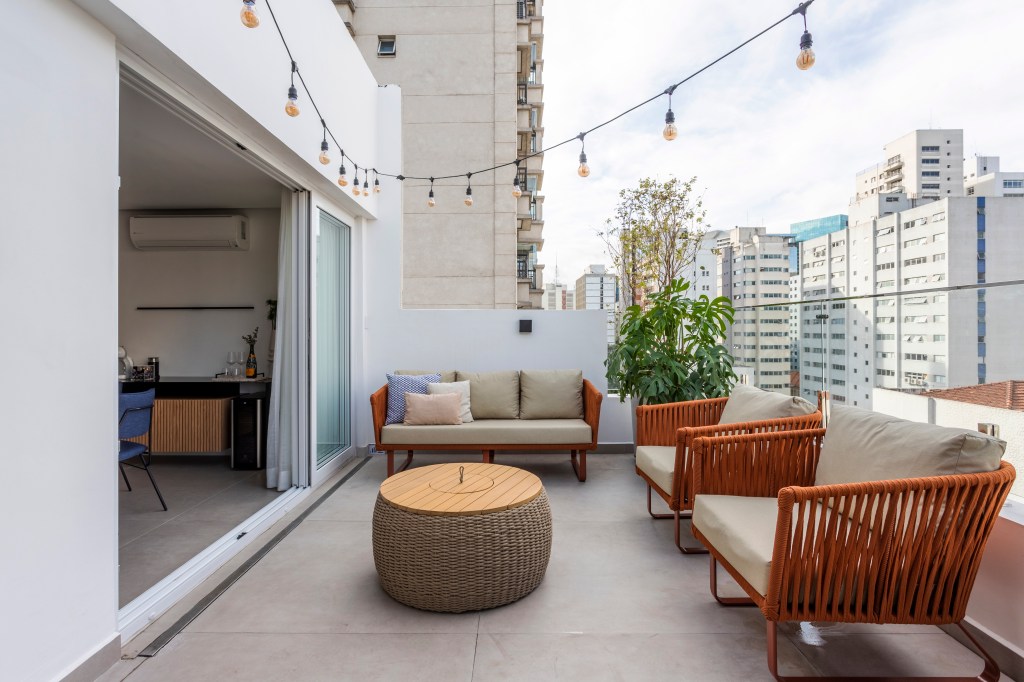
(619, 602)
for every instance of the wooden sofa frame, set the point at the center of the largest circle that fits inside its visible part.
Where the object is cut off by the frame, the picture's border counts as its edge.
(911, 558)
(678, 424)
(577, 451)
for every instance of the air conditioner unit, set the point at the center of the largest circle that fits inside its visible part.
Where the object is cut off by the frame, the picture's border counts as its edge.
(189, 232)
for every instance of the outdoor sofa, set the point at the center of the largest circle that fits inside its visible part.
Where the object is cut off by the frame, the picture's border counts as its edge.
(521, 411)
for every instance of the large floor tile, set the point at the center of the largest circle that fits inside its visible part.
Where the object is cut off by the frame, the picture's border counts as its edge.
(321, 579)
(234, 657)
(707, 658)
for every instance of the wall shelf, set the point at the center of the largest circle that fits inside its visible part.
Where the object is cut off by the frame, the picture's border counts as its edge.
(196, 307)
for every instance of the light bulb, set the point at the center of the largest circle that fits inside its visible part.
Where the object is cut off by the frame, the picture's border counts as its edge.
(516, 189)
(366, 188)
(670, 132)
(376, 186)
(430, 199)
(584, 169)
(342, 179)
(805, 59)
(324, 158)
(290, 108)
(249, 17)
(468, 201)
(355, 188)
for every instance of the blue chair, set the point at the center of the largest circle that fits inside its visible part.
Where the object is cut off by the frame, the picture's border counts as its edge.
(136, 416)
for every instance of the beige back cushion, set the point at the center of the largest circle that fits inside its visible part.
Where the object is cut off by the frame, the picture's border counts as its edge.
(749, 404)
(861, 445)
(492, 395)
(461, 388)
(551, 394)
(442, 408)
(447, 375)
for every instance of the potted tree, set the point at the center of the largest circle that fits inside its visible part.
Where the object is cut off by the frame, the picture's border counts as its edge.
(673, 350)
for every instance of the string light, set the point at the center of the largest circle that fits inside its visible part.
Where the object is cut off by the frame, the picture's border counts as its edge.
(517, 191)
(584, 169)
(290, 108)
(670, 132)
(468, 201)
(366, 185)
(430, 197)
(805, 59)
(249, 17)
(376, 182)
(355, 183)
(324, 158)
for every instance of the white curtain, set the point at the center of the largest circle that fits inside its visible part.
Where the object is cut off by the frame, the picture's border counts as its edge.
(285, 467)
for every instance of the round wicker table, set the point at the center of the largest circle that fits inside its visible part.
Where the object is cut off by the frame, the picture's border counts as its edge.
(461, 537)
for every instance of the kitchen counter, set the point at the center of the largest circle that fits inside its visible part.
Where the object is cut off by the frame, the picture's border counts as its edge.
(197, 387)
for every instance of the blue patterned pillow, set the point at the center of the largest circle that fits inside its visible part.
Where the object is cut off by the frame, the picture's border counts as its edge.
(398, 386)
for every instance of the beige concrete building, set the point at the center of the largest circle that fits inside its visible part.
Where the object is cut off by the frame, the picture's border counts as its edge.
(472, 98)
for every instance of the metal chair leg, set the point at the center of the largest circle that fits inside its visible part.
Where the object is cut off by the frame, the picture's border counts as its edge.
(726, 601)
(145, 465)
(124, 476)
(990, 673)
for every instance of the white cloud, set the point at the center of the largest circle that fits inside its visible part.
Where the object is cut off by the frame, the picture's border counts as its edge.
(771, 144)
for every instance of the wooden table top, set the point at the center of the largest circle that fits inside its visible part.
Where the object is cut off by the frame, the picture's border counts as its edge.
(484, 488)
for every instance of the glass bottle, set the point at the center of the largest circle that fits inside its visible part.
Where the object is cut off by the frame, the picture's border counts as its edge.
(250, 363)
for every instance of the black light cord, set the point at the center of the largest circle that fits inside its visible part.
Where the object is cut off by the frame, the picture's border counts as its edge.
(801, 9)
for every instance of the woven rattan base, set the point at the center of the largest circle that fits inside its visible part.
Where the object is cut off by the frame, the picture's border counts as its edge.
(461, 563)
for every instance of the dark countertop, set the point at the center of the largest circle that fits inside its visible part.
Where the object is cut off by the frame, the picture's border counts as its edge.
(196, 387)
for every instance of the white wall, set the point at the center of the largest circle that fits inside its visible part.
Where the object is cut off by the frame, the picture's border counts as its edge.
(195, 342)
(58, 271)
(59, 267)
(472, 340)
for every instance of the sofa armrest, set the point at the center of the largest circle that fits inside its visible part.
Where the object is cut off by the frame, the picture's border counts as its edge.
(379, 410)
(757, 464)
(895, 551)
(657, 424)
(592, 409)
(682, 484)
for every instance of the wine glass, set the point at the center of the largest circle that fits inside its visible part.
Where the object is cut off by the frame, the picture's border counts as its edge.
(234, 363)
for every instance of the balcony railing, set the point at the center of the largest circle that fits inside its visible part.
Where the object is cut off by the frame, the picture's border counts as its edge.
(525, 272)
(522, 92)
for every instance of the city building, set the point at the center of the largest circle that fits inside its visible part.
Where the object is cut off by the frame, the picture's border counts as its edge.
(472, 98)
(558, 297)
(982, 177)
(598, 289)
(753, 272)
(923, 164)
(908, 267)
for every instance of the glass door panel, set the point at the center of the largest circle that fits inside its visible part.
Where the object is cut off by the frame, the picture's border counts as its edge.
(333, 377)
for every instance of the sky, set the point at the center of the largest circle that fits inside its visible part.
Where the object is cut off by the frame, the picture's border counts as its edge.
(769, 144)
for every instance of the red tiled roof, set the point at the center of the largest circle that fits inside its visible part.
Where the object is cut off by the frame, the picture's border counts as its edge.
(1008, 395)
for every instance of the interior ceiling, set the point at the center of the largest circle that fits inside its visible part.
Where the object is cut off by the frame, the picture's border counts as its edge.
(166, 163)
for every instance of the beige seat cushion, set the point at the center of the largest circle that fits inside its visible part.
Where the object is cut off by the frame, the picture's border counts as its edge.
(432, 409)
(447, 375)
(742, 529)
(551, 394)
(749, 404)
(492, 395)
(458, 387)
(861, 445)
(658, 462)
(492, 432)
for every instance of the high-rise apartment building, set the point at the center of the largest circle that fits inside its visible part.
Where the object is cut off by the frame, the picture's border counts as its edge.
(598, 289)
(923, 164)
(472, 98)
(558, 297)
(753, 271)
(920, 229)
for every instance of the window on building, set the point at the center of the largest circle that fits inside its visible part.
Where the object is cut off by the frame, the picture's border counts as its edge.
(928, 162)
(387, 46)
(927, 149)
(1013, 184)
(930, 174)
(929, 185)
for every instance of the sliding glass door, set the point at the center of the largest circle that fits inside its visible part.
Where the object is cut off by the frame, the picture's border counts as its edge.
(333, 348)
